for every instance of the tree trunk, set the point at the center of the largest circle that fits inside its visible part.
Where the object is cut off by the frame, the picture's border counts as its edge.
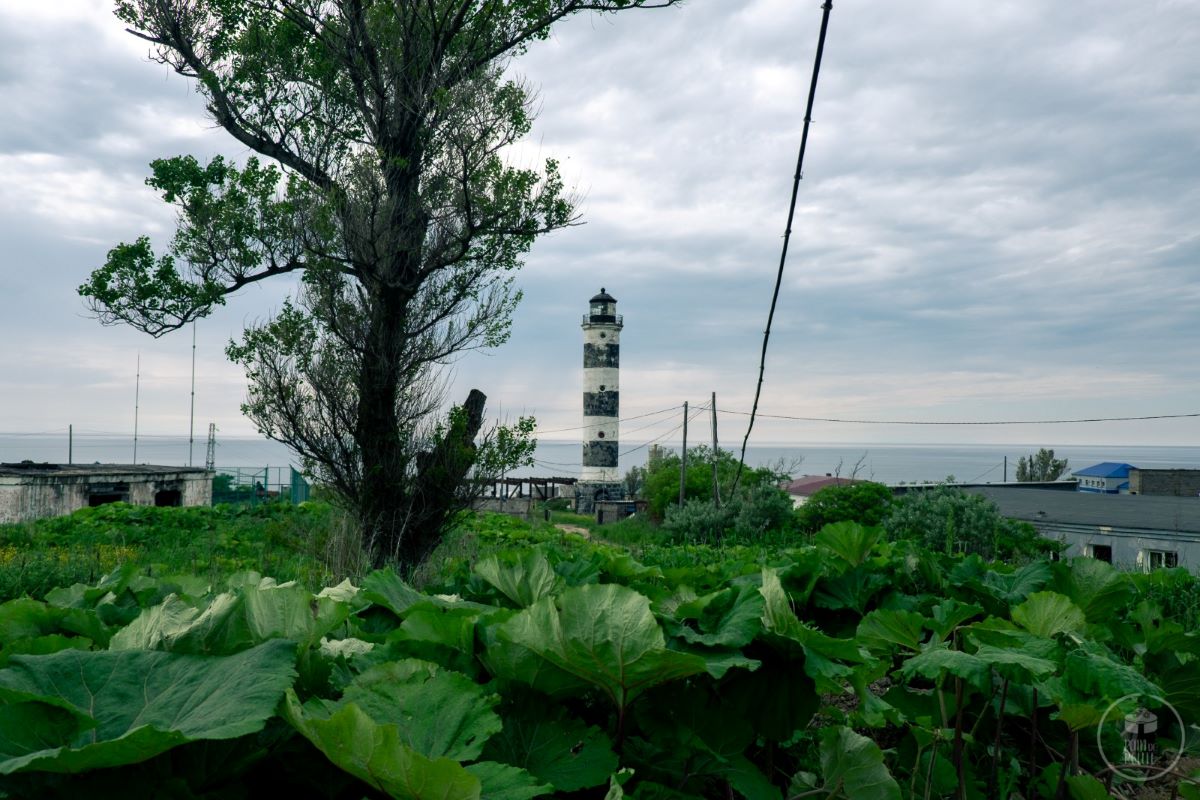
(381, 508)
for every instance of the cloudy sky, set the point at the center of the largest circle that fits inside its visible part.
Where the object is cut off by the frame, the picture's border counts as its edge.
(1000, 220)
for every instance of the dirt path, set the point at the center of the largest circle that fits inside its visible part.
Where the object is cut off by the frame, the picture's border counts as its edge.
(584, 532)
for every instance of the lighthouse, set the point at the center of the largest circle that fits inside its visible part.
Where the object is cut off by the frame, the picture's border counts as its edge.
(601, 479)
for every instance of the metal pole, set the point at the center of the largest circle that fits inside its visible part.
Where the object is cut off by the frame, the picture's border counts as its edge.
(1006, 469)
(716, 485)
(192, 415)
(137, 388)
(683, 458)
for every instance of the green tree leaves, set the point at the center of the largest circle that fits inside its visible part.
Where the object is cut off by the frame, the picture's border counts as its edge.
(1041, 466)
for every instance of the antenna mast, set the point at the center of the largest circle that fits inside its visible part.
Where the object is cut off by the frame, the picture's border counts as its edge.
(210, 460)
(192, 415)
(137, 390)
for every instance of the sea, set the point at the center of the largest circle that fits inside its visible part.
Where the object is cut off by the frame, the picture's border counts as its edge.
(886, 463)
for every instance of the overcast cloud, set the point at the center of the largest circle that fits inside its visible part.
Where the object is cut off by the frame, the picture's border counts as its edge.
(1000, 219)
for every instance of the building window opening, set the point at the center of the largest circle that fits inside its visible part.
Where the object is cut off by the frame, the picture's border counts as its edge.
(1102, 552)
(600, 435)
(104, 499)
(168, 497)
(1163, 558)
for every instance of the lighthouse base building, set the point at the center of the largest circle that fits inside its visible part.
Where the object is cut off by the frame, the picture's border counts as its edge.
(601, 478)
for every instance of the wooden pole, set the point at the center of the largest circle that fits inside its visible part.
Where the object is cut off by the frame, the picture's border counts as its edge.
(716, 485)
(683, 458)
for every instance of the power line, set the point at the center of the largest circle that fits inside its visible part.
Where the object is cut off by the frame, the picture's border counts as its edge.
(623, 419)
(787, 233)
(985, 473)
(960, 422)
(691, 416)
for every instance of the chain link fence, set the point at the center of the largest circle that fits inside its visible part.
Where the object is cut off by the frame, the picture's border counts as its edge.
(254, 486)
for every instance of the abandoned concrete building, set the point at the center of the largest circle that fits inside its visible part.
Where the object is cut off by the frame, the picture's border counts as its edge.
(31, 491)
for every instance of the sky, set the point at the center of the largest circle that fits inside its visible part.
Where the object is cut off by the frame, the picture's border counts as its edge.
(999, 220)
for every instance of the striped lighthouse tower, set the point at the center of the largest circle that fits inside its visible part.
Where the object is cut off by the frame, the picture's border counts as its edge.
(601, 479)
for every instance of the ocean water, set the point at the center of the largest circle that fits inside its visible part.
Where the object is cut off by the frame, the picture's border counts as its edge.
(888, 463)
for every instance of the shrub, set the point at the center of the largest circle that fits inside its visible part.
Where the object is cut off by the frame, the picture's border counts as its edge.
(761, 513)
(866, 503)
(952, 521)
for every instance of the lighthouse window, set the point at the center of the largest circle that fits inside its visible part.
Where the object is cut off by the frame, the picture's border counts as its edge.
(600, 435)
(602, 335)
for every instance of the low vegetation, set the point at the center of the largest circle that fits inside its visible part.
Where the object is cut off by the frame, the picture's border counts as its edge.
(526, 661)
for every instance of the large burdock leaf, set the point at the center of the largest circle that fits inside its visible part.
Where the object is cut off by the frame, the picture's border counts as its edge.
(438, 712)
(233, 621)
(1013, 587)
(1049, 613)
(133, 705)
(511, 661)
(851, 766)
(820, 650)
(882, 631)
(849, 541)
(1016, 664)
(730, 618)
(525, 582)
(936, 661)
(506, 782)
(1098, 588)
(558, 749)
(386, 589)
(603, 634)
(377, 755)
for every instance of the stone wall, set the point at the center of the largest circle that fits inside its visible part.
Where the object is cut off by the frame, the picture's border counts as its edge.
(29, 497)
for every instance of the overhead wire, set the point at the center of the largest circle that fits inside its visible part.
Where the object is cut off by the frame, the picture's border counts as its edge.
(787, 234)
(960, 422)
(623, 419)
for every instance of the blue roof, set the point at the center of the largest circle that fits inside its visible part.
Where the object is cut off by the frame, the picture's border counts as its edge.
(1107, 469)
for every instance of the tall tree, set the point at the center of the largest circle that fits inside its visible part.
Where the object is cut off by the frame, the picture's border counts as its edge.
(1042, 466)
(381, 126)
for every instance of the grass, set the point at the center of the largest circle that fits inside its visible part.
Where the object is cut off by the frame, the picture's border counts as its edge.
(313, 543)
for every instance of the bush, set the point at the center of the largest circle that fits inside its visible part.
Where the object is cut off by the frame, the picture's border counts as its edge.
(952, 521)
(661, 487)
(760, 514)
(866, 503)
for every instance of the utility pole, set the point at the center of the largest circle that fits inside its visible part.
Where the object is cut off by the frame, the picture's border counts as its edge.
(210, 460)
(137, 389)
(683, 458)
(1006, 469)
(716, 485)
(192, 414)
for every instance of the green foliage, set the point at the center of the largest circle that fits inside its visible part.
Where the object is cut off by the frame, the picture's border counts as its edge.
(132, 705)
(662, 479)
(1042, 466)
(950, 520)
(378, 179)
(311, 542)
(867, 503)
(545, 664)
